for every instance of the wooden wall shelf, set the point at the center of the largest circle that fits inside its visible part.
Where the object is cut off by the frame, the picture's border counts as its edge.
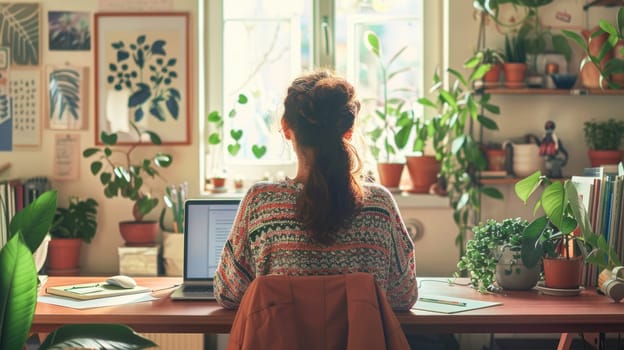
(563, 92)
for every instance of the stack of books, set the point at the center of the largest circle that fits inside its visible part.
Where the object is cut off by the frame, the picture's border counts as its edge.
(601, 190)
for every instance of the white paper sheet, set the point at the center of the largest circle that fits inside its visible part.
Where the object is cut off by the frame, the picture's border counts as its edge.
(462, 304)
(102, 302)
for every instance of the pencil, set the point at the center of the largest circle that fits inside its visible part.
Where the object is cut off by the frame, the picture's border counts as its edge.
(441, 301)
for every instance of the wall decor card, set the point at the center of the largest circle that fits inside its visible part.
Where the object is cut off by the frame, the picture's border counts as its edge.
(6, 123)
(563, 14)
(66, 97)
(142, 67)
(20, 31)
(25, 90)
(69, 31)
(66, 157)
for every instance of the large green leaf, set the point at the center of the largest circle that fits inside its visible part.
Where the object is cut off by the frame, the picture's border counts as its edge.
(18, 292)
(34, 220)
(97, 336)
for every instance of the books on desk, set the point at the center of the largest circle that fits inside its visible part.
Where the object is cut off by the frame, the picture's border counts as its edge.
(89, 291)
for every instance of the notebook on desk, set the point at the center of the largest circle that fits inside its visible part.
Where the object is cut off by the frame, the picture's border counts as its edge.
(207, 225)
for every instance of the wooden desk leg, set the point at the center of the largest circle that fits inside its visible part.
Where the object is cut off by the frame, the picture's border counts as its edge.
(565, 340)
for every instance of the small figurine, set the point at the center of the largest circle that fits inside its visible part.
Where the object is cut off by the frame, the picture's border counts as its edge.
(551, 148)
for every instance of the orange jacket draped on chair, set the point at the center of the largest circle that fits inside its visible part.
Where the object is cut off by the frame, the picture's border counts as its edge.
(316, 312)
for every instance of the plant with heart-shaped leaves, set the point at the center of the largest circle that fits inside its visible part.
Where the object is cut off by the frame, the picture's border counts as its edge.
(215, 137)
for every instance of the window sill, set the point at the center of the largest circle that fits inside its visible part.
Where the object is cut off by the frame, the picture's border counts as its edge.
(404, 200)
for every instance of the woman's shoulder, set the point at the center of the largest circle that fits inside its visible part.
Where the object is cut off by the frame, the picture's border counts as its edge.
(270, 189)
(376, 193)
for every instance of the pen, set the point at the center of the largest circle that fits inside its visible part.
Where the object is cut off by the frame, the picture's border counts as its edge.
(80, 287)
(440, 301)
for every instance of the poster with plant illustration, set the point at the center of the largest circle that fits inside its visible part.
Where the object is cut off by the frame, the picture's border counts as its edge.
(66, 98)
(142, 75)
(69, 31)
(19, 29)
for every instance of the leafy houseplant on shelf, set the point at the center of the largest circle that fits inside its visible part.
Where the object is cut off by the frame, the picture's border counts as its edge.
(495, 59)
(515, 66)
(598, 47)
(562, 236)
(458, 111)
(604, 139)
(493, 255)
(390, 114)
(72, 225)
(173, 238)
(123, 176)
(18, 289)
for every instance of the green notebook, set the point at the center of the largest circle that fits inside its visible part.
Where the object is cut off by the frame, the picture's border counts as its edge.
(88, 291)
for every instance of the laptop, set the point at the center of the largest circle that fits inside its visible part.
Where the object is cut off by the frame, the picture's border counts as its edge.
(207, 225)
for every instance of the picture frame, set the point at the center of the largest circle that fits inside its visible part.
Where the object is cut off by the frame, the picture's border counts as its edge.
(142, 75)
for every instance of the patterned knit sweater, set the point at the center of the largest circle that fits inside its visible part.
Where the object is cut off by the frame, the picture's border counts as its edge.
(267, 239)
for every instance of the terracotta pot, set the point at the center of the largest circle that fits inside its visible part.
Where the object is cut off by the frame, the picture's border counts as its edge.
(590, 76)
(173, 253)
(218, 182)
(598, 158)
(423, 171)
(562, 273)
(139, 233)
(492, 77)
(515, 73)
(390, 174)
(64, 256)
(495, 159)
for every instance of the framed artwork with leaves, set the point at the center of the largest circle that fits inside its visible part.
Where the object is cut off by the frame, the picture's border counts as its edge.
(19, 29)
(142, 75)
(66, 97)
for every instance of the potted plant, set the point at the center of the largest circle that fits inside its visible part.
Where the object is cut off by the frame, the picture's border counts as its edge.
(515, 66)
(390, 114)
(495, 58)
(456, 110)
(493, 255)
(72, 225)
(562, 236)
(604, 138)
(18, 289)
(173, 238)
(124, 176)
(423, 168)
(603, 63)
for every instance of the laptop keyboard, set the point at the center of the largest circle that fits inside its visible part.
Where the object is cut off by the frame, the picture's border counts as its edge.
(198, 289)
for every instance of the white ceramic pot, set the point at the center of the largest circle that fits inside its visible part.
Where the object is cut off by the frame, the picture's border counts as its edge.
(173, 253)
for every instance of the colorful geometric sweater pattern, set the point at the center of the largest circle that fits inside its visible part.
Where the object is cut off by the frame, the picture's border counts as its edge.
(267, 239)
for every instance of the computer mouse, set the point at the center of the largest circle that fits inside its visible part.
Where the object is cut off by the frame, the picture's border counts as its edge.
(122, 281)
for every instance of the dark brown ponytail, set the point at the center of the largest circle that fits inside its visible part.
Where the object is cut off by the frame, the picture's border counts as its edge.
(321, 108)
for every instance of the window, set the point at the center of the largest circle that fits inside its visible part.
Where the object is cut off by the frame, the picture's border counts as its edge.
(256, 47)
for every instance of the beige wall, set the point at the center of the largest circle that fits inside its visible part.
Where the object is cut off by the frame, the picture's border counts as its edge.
(436, 253)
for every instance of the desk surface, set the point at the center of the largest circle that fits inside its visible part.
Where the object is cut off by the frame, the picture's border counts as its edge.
(521, 312)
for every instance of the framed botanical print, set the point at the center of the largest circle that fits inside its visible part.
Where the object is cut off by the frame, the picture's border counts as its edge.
(142, 75)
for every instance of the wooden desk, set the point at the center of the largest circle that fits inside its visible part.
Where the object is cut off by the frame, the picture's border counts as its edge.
(521, 312)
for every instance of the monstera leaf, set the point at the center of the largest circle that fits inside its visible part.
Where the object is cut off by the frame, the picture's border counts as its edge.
(64, 92)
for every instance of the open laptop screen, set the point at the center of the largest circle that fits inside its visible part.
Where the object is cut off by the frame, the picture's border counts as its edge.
(207, 226)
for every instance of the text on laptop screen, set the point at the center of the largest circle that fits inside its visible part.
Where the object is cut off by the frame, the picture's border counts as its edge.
(208, 224)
